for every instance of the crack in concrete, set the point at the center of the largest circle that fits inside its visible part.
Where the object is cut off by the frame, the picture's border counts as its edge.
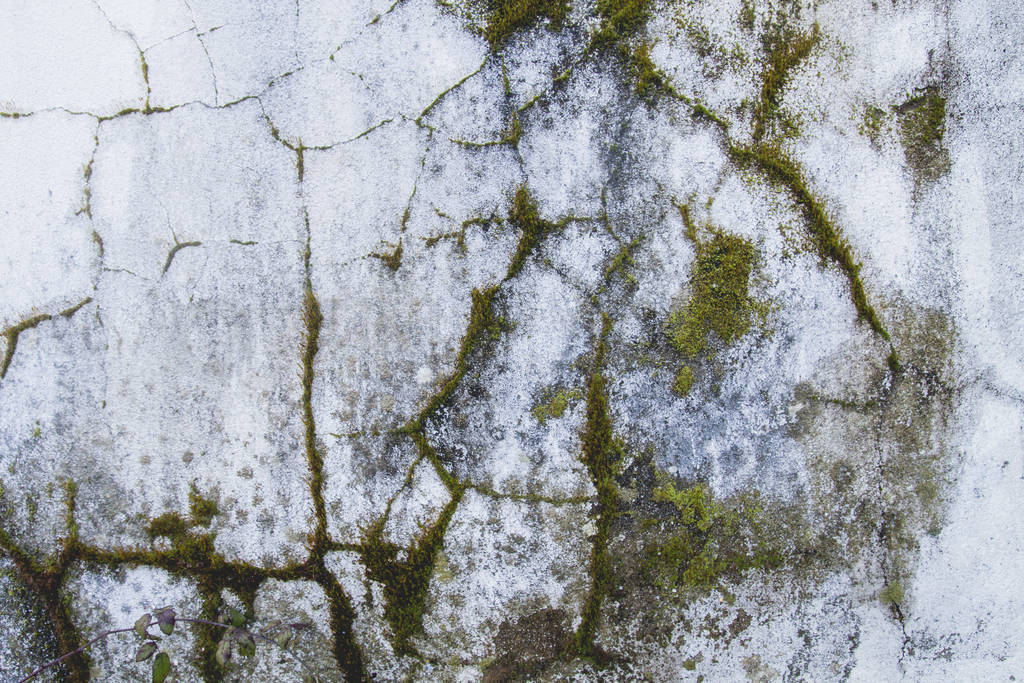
(178, 246)
(12, 333)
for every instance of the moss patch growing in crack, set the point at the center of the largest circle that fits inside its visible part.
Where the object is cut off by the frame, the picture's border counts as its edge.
(406, 581)
(392, 259)
(720, 300)
(12, 333)
(620, 19)
(525, 215)
(483, 324)
(684, 381)
(830, 244)
(509, 16)
(784, 49)
(201, 510)
(602, 457)
(705, 539)
(553, 404)
(922, 127)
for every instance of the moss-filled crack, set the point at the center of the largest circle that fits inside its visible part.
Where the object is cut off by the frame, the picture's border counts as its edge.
(178, 246)
(12, 333)
(598, 454)
(830, 244)
(406, 581)
(785, 49)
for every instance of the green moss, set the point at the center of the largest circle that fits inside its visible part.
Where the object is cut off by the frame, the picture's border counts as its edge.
(11, 335)
(622, 261)
(684, 381)
(719, 302)
(922, 127)
(168, 525)
(202, 510)
(784, 49)
(602, 455)
(483, 324)
(828, 241)
(647, 79)
(554, 404)
(747, 15)
(392, 259)
(621, 18)
(511, 136)
(706, 539)
(174, 251)
(872, 123)
(405, 581)
(892, 594)
(525, 216)
(510, 16)
(312, 320)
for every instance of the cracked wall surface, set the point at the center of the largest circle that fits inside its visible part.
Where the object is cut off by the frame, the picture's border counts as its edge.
(513, 340)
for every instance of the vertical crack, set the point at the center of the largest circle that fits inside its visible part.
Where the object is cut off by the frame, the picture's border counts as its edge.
(347, 652)
(597, 455)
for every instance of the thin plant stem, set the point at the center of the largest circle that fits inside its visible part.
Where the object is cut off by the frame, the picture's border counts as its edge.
(74, 652)
(186, 620)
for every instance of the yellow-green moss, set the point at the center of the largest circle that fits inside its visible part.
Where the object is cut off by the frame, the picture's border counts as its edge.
(392, 259)
(647, 79)
(684, 381)
(706, 539)
(831, 246)
(510, 16)
(601, 454)
(405, 581)
(892, 594)
(872, 123)
(525, 216)
(922, 127)
(720, 301)
(201, 510)
(784, 49)
(554, 404)
(620, 18)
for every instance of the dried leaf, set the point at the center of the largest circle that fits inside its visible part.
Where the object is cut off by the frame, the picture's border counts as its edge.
(145, 651)
(142, 623)
(271, 628)
(161, 667)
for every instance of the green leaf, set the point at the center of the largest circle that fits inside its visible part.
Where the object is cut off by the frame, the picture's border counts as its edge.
(161, 667)
(237, 618)
(246, 644)
(223, 653)
(283, 638)
(165, 617)
(145, 651)
(142, 623)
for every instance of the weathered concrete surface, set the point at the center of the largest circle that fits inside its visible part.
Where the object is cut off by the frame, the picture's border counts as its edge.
(514, 341)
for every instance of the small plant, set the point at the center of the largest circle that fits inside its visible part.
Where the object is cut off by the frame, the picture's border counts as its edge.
(236, 638)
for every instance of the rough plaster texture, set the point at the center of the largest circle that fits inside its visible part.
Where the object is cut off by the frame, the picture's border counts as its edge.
(317, 310)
